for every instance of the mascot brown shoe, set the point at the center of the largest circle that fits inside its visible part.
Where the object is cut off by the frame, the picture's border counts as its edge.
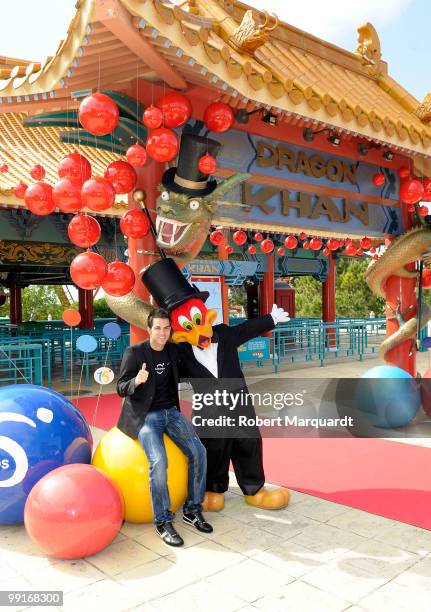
(269, 499)
(213, 502)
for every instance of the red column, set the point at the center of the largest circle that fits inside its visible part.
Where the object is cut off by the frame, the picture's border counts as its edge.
(85, 301)
(266, 289)
(221, 251)
(148, 178)
(328, 300)
(15, 304)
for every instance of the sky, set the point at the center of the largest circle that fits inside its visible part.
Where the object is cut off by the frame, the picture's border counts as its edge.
(32, 29)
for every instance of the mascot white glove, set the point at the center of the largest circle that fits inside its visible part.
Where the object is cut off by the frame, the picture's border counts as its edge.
(279, 315)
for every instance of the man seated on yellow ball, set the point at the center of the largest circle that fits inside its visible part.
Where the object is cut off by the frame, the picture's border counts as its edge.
(148, 381)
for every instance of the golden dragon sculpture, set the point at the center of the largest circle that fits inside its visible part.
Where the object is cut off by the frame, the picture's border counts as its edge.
(412, 246)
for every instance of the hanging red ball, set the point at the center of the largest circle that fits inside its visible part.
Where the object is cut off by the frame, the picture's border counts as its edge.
(162, 144)
(427, 190)
(348, 241)
(121, 175)
(291, 242)
(219, 117)
(207, 164)
(239, 237)
(303, 235)
(372, 250)
(267, 246)
(332, 244)
(403, 172)
(306, 244)
(74, 166)
(258, 236)
(280, 251)
(119, 279)
(423, 211)
(97, 194)
(251, 249)
(136, 155)
(38, 198)
(135, 223)
(176, 109)
(152, 117)
(375, 257)
(365, 243)
(316, 243)
(98, 114)
(411, 208)
(88, 270)
(359, 252)
(216, 237)
(66, 195)
(37, 172)
(228, 249)
(350, 249)
(326, 251)
(84, 231)
(20, 189)
(426, 278)
(379, 179)
(411, 190)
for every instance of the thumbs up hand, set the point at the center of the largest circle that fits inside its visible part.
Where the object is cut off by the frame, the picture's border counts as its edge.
(142, 375)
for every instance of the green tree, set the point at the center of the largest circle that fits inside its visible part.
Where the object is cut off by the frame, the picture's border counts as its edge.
(308, 296)
(101, 309)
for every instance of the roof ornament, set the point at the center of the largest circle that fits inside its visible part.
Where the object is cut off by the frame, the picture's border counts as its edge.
(251, 35)
(423, 111)
(369, 48)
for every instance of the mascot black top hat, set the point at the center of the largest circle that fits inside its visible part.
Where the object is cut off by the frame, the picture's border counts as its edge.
(166, 283)
(186, 177)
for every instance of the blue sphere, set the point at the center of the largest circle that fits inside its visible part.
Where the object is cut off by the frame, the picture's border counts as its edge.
(389, 396)
(40, 430)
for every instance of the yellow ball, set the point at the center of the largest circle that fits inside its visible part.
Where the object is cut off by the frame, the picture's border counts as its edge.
(124, 460)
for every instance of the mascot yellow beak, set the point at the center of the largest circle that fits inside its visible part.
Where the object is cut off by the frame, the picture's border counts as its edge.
(197, 334)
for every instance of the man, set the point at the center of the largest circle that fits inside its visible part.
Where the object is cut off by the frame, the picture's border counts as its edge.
(148, 381)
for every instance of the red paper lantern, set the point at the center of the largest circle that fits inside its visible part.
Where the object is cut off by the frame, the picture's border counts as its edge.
(427, 190)
(423, 211)
(119, 279)
(375, 257)
(207, 164)
(365, 243)
(372, 250)
(426, 278)
(267, 246)
(135, 224)
(97, 194)
(88, 270)
(98, 114)
(411, 190)
(411, 208)
(258, 236)
(326, 251)
(20, 189)
(219, 117)
(228, 249)
(306, 244)
(239, 237)
(84, 231)
(350, 250)
(121, 175)
(37, 172)
(348, 241)
(315, 243)
(291, 242)
(359, 252)
(403, 172)
(251, 249)
(216, 237)
(280, 251)
(74, 166)
(5, 168)
(152, 117)
(162, 144)
(303, 235)
(332, 244)
(176, 109)
(379, 179)
(38, 198)
(136, 155)
(66, 195)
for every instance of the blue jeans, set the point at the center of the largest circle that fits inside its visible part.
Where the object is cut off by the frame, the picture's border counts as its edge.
(180, 430)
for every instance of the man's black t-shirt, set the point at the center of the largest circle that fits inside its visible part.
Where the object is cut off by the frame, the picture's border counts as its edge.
(164, 397)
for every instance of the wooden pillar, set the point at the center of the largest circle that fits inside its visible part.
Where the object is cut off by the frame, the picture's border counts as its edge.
(328, 300)
(266, 287)
(15, 304)
(221, 251)
(143, 251)
(85, 301)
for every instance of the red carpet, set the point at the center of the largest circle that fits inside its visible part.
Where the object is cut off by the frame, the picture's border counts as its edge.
(387, 478)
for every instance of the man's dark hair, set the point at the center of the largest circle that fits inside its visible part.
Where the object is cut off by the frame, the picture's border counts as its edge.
(157, 313)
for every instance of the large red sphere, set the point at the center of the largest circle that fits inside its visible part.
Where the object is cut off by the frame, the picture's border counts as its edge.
(20, 189)
(351, 250)
(219, 117)
(98, 114)
(379, 179)
(119, 279)
(176, 109)
(66, 194)
(306, 244)
(38, 198)
(135, 224)
(365, 243)
(37, 172)
(316, 243)
(332, 244)
(411, 190)
(207, 164)
(152, 117)
(84, 231)
(426, 278)
(136, 155)
(291, 242)
(74, 511)
(121, 175)
(239, 237)
(74, 166)
(97, 194)
(326, 251)
(423, 211)
(303, 235)
(162, 144)
(403, 172)
(267, 245)
(427, 190)
(258, 236)
(252, 249)
(216, 237)
(88, 270)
